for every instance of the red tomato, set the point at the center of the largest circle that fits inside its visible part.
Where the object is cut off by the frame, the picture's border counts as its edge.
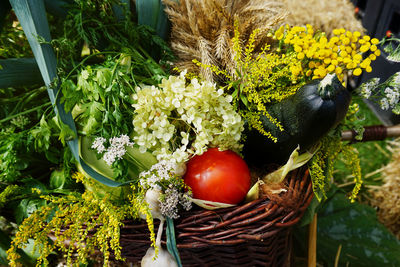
(219, 176)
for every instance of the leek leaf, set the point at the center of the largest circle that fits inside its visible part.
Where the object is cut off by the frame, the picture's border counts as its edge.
(17, 72)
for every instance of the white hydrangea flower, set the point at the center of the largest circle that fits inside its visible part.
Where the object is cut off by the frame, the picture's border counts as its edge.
(179, 119)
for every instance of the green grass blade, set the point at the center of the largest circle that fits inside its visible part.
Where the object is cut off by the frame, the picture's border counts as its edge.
(17, 72)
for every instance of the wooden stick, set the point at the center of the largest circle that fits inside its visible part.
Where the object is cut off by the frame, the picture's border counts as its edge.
(378, 132)
(312, 243)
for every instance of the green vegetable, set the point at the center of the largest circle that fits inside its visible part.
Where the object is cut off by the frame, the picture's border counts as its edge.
(306, 117)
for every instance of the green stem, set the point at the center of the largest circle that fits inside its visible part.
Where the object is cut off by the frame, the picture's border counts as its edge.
(25, 112)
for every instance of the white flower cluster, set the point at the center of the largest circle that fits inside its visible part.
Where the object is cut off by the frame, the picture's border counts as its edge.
(161, 171)
(387, 92)
(391, 93)
(115, 151)
(391, 98)
(177, 120)
(167, 174)
(367, 87)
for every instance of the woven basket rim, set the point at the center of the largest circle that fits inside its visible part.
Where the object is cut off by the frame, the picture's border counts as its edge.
(253, 221)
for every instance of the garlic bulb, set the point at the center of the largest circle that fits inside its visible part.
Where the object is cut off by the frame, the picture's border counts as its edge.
(164, 259)
(152, 198)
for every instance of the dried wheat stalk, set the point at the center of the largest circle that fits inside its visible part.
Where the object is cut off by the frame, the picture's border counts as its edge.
(203, 30)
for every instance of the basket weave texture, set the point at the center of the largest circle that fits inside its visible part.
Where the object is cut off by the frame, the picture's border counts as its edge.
(253, 234)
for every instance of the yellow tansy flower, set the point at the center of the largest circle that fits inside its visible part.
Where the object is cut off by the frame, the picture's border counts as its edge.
(357, 72)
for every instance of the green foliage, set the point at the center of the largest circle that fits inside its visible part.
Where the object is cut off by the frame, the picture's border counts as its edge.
(100, 98)
(92, 25)
(322, 165)
(13, 43)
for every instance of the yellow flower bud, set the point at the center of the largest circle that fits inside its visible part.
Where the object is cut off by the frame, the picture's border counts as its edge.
(366, 38)
(358, 57)
(322, 72)
(364, 48)
(356, 34)
(334, 39)
(372, 57)
(331, 68)
(300, 55)
(368, 69)
(336, 31)
(373, 48)
(374, 41)
(350, 65)
(346, 60)
(377, 53)
(357, 72)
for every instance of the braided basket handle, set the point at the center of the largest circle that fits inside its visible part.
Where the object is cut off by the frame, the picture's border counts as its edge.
(373, 133)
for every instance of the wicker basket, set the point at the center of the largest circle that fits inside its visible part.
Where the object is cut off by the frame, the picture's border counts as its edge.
(254, 234)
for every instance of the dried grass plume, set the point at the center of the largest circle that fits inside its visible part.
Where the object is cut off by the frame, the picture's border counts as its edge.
(387, 196)
(324, 15)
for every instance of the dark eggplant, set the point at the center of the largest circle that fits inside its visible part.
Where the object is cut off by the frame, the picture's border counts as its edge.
(306, 117)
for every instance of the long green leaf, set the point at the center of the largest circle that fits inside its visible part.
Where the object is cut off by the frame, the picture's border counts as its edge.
(119, 10)
(171, 241)
(151, 13)
(32, 16)
(16, 72)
